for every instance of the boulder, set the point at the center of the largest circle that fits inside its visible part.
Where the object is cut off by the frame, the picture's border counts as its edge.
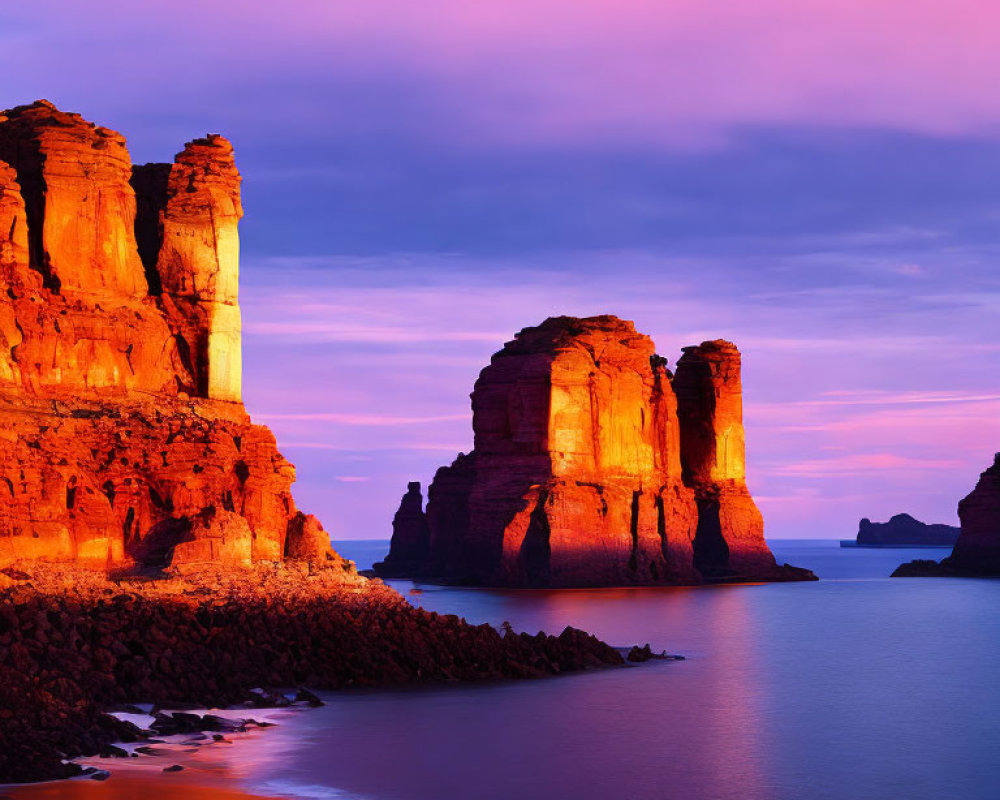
(306, 540)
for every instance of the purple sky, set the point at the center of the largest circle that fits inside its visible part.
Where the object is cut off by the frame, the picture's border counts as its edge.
(817, 181)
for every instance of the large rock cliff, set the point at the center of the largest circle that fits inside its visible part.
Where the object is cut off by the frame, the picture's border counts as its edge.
(589, 469)
(977, 550)
(123, 433)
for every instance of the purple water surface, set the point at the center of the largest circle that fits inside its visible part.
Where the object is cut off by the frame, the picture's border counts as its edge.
(854, 687)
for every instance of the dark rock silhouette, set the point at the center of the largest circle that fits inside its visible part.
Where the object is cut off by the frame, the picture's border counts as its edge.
(977, 550)
(410, 546)
(902, 530)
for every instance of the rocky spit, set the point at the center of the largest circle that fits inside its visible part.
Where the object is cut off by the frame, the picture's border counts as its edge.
(75, 643)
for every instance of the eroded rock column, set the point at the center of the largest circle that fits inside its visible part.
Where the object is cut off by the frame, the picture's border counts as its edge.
(195, 241)
(729, 543)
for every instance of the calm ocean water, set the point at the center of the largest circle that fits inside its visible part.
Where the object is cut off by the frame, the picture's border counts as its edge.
(854, 687)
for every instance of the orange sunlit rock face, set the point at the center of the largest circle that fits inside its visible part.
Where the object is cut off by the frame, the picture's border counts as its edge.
(578, 476)
(709, 391)
(124, 437)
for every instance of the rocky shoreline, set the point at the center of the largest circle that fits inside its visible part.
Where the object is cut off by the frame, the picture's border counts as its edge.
(76, 642)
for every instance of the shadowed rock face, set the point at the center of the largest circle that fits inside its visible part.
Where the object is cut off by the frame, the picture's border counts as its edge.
(410, 546)
(124, 437)
(579, 474)
(977, 550)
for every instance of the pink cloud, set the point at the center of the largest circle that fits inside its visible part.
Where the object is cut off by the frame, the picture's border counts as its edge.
(673, 73)
(911, 270)
(363, 420)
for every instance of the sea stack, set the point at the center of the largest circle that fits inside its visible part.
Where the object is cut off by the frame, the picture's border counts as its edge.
(593, 465)
(126, 440)
(730, 535)
(977, 550)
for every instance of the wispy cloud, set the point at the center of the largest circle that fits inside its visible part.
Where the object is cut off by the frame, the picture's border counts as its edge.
(680, 75)
(884, 398)
(363, 420)
(334, 332)
(862, 463)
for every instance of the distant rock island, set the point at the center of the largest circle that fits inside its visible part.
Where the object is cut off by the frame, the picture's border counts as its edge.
(593, 465)
(902, 530)
(977, 550)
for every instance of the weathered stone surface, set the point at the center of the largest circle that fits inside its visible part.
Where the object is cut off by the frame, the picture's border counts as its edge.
(902, 530)
(307, 541)
(187, 229)
(576, 476)
(214, 537)
(122, 435)
(977, 550)
(74, 177)
(14, 224)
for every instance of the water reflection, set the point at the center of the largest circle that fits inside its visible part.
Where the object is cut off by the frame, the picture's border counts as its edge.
(855, 688)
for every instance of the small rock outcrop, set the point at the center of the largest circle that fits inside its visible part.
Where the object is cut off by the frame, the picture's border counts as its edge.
(123, 437)
(410, 546)
(977, 550)
(902, 530)
(593, 465)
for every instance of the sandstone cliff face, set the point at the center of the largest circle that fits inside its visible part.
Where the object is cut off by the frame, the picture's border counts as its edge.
(577, 477)
(977, 550)
(123, 435)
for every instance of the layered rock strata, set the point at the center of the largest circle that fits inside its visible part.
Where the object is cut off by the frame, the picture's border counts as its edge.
(124, 438)
(589, 469)
(977, 549)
